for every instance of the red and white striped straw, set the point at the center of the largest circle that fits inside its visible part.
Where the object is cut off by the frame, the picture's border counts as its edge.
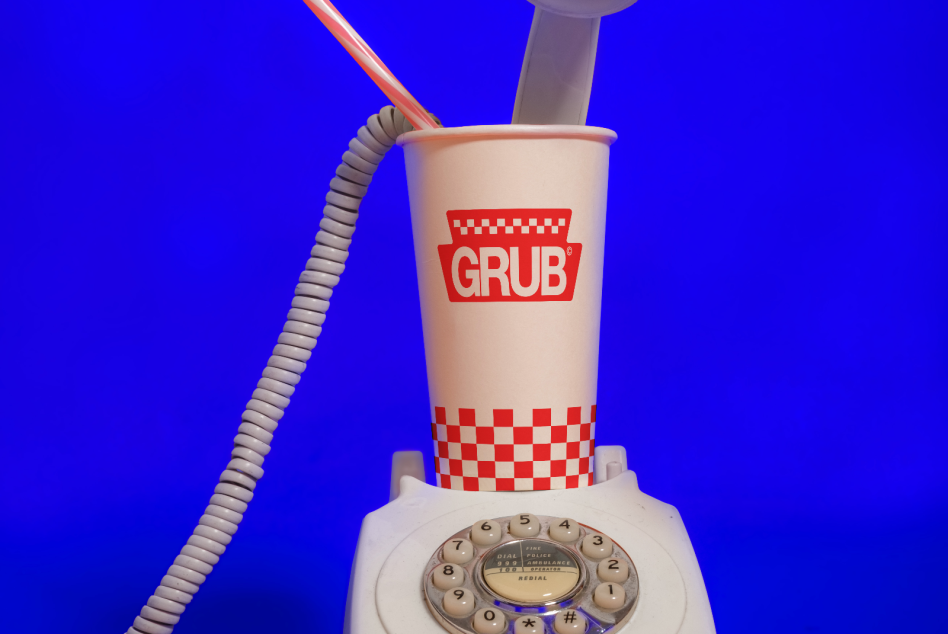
(371, 64)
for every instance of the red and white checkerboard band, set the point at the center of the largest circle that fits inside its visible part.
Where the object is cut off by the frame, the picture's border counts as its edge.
(500, 451)
(495, 226)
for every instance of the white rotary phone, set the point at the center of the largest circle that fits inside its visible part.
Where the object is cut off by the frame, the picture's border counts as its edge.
(530, 528)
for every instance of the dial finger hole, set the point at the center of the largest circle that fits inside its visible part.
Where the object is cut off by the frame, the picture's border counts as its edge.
(447, 576)
(609, 596)
(530, 624)
(597, 546)
(613, 569)
(524, 525)
(458, 602)
(458, 551)
(490, 621)
(486, 532)
(569, 622)
(564, 530)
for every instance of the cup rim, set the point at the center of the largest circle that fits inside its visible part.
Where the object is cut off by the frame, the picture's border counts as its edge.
(512, 131)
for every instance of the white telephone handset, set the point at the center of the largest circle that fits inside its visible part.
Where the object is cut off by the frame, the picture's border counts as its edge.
(531, 528)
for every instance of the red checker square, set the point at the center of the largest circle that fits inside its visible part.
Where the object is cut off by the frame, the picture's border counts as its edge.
(572, 450)
(572, 482)
(445, 481)
(523, 469)
(592, 447)
(574, 415)
(471, 484)
(486, 469)
(592, 417)
(505, 484)
(442, 449)
(455, 467)
(434, 432)
(503, 418)
(503, 453)
(468, 451)
(454, 433)
(485, 435)
(541, 484)
(590, 482)
(585, 431)
(440, 416)
(466, 417)
(542, 417)
(541, 452)
(558, 433)
(558, 468)
(584, 465)
(523, 435)
(437, 465)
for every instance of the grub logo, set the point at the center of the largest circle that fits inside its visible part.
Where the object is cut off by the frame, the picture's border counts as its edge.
(509, 255)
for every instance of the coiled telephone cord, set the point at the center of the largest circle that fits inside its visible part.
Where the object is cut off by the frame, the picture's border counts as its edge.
(294, 346)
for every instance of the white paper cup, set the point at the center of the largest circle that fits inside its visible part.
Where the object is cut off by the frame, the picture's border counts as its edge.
(509, 224)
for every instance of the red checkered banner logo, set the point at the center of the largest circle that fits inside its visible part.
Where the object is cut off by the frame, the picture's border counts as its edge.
(504, 450)
(509, 255)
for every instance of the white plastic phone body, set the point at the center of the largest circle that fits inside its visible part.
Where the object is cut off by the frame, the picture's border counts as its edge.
(396, 542)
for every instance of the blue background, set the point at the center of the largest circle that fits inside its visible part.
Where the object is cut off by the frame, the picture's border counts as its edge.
(775, 319)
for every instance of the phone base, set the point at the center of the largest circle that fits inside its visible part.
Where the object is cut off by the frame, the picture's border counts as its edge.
(396, 542)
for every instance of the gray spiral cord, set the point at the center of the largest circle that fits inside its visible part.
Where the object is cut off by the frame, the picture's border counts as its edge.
(304, 322)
